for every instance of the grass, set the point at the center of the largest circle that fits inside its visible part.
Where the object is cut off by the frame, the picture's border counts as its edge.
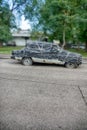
(80, 51)
(8, 50)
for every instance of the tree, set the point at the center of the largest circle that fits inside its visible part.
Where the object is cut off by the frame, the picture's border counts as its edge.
(53, 17)
(83, 22)
(32, 12)
(6, 22)
(59, 18)
(56, 15)
(64, 20)
(7, 17)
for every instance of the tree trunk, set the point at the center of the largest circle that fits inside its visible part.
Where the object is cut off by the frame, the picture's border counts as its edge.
(64, 41)
(0, 44)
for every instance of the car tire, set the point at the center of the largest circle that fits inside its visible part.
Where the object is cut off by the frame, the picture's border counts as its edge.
(27, 61)
(71, 65)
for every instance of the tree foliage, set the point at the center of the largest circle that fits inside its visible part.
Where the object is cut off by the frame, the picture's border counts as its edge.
(7, 17)
(63, 19)
(83, 22)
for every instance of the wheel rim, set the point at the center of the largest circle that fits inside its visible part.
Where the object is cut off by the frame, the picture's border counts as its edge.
(70, 65)
(27, 62)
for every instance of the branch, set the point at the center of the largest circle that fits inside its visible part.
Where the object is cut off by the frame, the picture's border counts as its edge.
(15, 7)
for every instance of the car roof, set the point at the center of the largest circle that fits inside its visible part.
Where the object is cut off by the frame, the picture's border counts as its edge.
(40, 43)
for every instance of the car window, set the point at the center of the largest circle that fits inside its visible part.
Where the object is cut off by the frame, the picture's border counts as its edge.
(47, 47)
(55, 48)
(33, 47)
(40, 44)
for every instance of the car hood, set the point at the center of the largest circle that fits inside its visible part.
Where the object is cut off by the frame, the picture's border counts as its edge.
(71, 53)
(17, 51)
(74, 54)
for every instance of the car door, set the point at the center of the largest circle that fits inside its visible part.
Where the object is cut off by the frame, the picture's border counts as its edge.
(54, 52)
(33, 50)
(46, 51)
(58, 54)
(51, 54)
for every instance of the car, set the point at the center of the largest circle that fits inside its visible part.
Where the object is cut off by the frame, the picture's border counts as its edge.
(78, 47)
(46, 52)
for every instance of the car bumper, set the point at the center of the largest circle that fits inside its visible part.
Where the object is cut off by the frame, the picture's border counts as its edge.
(16, 57)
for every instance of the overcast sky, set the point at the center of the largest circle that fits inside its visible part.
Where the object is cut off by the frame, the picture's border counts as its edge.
(24, 24)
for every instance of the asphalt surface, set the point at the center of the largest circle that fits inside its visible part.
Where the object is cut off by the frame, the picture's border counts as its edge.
(42, 97)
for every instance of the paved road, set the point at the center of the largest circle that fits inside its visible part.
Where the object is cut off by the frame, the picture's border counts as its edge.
(42, 97)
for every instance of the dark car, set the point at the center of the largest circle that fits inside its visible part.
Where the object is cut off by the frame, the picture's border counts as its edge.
(45, 52)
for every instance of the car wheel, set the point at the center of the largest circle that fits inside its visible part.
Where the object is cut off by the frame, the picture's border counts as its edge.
(71, 65)
(27, 61)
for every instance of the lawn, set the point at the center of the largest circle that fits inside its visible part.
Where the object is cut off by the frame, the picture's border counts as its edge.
(7, 50)
(82, 52)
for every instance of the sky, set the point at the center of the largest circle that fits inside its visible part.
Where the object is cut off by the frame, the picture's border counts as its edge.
(24, 24)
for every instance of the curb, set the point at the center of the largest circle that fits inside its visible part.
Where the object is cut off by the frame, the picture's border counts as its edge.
(84, 58)
(5, 56)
